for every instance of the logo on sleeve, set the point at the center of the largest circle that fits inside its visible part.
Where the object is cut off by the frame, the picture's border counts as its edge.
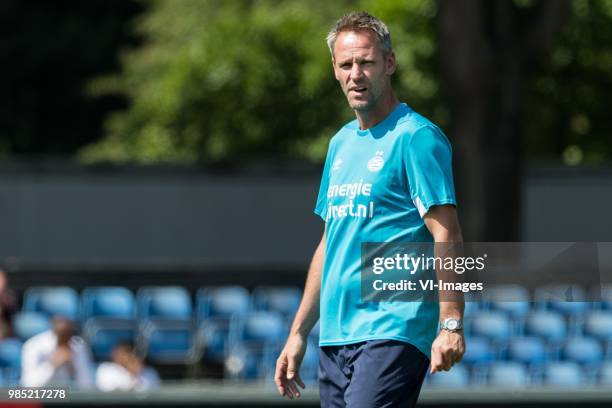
(337, 164)
(377, 162)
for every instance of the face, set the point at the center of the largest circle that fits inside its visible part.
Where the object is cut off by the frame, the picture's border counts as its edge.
(120, 356)
(361, 68)
(64, 330)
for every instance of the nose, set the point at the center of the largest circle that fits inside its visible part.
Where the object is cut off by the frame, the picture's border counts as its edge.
(356, 71)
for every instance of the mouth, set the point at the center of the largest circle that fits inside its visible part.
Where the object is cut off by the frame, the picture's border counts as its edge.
(358, 89)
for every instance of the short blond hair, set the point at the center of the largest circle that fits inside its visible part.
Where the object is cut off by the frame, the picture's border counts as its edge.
(360, 21)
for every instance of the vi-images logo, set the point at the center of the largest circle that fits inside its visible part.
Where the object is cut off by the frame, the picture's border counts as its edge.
(377, 162)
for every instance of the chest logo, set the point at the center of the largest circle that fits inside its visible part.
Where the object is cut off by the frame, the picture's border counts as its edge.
(377, 162)
(337, 164)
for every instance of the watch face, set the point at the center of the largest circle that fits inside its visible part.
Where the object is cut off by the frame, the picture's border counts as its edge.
(451, 324)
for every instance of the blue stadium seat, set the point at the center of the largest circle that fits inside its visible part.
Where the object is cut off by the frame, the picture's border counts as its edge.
(254, 338)
(495, 326)
(167, 341)
(508, 374)
(571, 300)
(606, 296)
(107, 301)
(583, 350)
(258, 328)
(599, 324)
(28, 324)
(563, 374)
(102, 334)
(605, 374)
(10, 353)
(458, 377)
(546, 324)
(58, 300)
(472, 307)
(478, 351)
(222, 301)
(164, 302)
(527, 350)
(513, 300)
(213, 335)
(245, 363)
(284, 300)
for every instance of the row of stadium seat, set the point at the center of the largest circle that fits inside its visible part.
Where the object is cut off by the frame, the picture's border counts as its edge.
(170, 302)
(548, 325)
(533, 351)
(176, 302)
(246, 330)
(512, 374)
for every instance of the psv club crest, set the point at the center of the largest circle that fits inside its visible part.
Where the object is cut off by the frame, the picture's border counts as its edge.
(377, 162)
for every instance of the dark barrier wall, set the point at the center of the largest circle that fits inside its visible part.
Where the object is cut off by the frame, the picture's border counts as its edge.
(251, 219)
(168, 217)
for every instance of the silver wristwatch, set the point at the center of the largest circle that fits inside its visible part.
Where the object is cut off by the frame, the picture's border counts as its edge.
(451, 324)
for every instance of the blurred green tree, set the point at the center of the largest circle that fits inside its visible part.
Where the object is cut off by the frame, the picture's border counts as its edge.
(219, 80)
(566, 111)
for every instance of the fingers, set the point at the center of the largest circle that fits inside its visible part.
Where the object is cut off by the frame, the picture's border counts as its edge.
(299, 381)
(287, 378)
(280, 375)
(442, 359)
(292, 387)
(438, 362)
(293, 377)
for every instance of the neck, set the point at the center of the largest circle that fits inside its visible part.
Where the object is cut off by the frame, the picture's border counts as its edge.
(372, 117)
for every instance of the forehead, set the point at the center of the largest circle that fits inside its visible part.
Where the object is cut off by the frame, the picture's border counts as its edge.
(349, 43)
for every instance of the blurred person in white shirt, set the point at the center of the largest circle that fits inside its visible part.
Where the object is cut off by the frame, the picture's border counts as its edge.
(57, 357)
(126, 371)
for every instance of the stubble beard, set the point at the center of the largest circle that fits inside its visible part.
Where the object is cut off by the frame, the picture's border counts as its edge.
(362, 105)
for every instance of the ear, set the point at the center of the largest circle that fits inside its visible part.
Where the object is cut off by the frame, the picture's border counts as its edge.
(335, 70)
(390, 64)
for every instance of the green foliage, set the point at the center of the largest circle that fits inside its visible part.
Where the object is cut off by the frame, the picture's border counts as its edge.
(567, 111)
(224, 79)
(220, 79)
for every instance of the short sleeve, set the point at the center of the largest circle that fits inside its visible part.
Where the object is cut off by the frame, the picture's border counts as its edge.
(321, 206)
(428, 168)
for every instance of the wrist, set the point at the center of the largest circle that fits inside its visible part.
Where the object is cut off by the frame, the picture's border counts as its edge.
(451, 324)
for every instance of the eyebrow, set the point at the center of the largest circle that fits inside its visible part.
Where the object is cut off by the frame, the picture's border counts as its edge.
(340, 61)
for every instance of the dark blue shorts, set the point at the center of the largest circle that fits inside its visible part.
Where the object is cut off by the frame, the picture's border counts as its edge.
(378, 373)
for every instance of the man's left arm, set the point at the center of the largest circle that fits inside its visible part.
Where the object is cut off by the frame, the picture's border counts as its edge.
(449, 346)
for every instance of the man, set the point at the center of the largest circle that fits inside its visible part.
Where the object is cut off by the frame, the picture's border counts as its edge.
(387, 178)
(56, 357)
(8, 306)
(126, 372)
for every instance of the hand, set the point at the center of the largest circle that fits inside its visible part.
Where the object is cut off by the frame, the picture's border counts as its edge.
(61, 356)
(447, 350)
(134, 366)
(287, 376)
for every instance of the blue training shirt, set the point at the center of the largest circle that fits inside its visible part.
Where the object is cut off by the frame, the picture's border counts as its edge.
(377, 184)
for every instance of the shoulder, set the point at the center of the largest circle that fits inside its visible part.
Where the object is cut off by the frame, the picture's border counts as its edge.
(107, 368)
(42, 340)
(412, 122)
(416, 130)
(346, 130)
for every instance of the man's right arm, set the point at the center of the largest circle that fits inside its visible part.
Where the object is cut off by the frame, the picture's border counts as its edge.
(287, 375)
(35, 370)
